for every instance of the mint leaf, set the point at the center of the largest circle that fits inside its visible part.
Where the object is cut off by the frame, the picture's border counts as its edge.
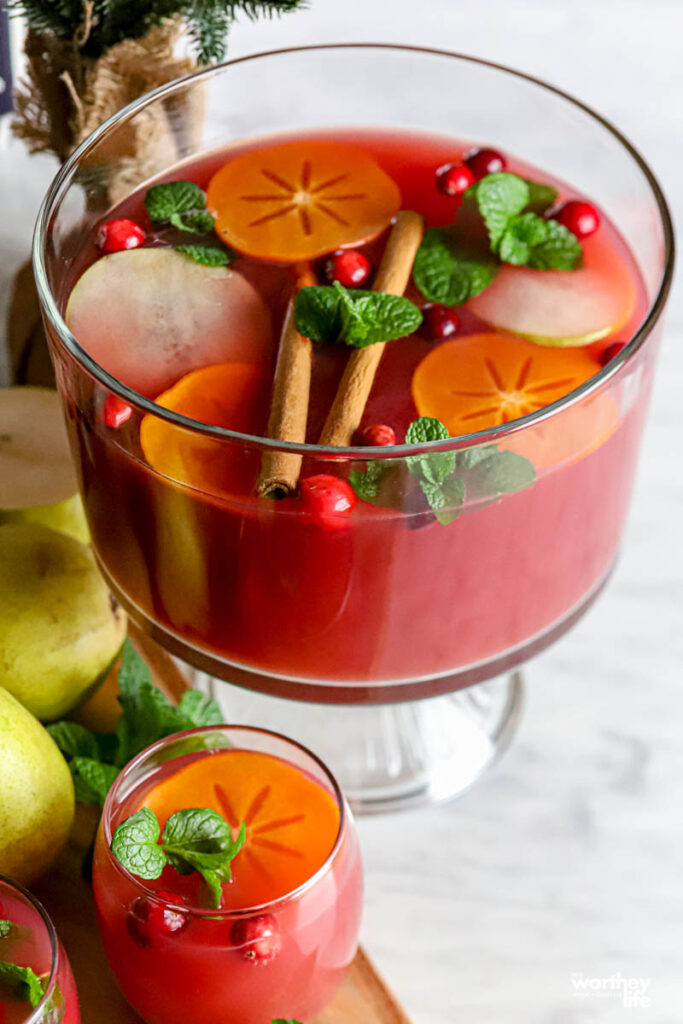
(448, 507)
(500, 197)
(471, 456)
(148, 715)
(561, 249)
(74, 740)
(207, 255)
(521, 235)
(135, 844)
(359, 318)
(5, 928)
(289, 1020)
(92, 780)
(162, 202)
(444, 273)
(502, 473)
(197, 709)
(541, 197)
(23, 982)
(366, 483)
(436, 466)
(197, 222)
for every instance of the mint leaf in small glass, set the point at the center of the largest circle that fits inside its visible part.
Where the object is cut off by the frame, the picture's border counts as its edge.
(500, 197)
(162, 202)
(5, 928)
(444, 272)
(196, 222)
(207, 255)
(501, 473)
(560, 250)
(541, 197)
(359, 318)
(135, 844)
(22, 981)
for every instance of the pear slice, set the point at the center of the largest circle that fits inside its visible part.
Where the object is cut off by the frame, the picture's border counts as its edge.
(37, 476)
(149, 316)
(562, 308)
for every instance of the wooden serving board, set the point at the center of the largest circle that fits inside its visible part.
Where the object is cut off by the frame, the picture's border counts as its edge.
(362, 999)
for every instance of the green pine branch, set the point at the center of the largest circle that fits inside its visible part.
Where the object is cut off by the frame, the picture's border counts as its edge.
(208, 21)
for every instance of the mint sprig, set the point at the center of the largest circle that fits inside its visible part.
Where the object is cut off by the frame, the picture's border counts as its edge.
(177, 202)
(359, 318)
(508, 204)
(147, 715)
(194, 839)
(445, 273)
(434, 470)
(5, 928)
(22, 981)
(207, 255)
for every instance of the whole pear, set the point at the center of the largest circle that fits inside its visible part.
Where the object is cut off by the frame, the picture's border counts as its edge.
(36, 794)
(60, 628)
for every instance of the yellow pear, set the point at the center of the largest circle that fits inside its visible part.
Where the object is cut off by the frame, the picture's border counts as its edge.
(60, 628)
(36, 794)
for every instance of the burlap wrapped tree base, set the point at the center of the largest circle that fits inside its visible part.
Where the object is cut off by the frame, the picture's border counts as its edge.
(64, 97)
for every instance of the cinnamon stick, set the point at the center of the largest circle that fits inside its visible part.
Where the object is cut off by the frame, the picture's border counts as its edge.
(289, 406)
(354, 388)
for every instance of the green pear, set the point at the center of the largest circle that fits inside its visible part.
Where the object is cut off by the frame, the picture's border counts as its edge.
(36, 794)
(60, 628)
(37, 476)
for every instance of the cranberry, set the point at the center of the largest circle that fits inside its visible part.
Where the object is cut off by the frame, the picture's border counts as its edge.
(257, 938)
(609, 353)
(454, 179)
(377, 435)
(581, 218)
(121, 233)
(441, 321)
(482, 161)
(115, 412)
(326, 497)
(149, 922)
(350, 267)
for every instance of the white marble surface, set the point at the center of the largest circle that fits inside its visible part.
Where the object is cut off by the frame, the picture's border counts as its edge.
(568, 857)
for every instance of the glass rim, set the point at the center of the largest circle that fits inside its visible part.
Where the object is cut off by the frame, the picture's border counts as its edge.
(55, 952)
(206, 912)
(63, 179)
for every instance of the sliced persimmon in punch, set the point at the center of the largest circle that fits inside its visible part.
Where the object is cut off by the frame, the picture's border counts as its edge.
(299, 200)
(229, 395)
(291, 821)
(485, 380)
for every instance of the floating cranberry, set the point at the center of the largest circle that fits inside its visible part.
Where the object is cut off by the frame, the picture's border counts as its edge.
(326, 497)
(257, 938)
(454, 179)
(149, 923)
(115, 412)
(442, 322)
(613, 350)
(350, 267)
(581, 218)
(482, 161)
(377, 435)
(121, 233)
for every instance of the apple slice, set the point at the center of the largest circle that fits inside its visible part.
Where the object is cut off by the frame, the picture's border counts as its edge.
(149, 316)
(562, 308)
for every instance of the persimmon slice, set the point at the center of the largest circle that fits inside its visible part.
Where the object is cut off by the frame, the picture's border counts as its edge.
(292, 821)
(299, 200)
(230, 395)
(484, 380)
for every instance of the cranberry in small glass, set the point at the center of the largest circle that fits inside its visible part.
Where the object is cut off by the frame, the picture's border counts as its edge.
(257, 938)
(581, 218)
(326, 497)
(377, 435)
(441, 322)
(610, 353)
(149, 922)
(115, 412)
(350, 268)
(119, 234)
(482, 161)
(454, 179)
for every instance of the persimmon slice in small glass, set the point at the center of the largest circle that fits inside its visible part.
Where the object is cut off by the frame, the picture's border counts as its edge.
(484, 380)
(299, 200)
(291, 821)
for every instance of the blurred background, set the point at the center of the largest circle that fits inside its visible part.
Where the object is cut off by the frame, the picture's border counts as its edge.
(563, 864)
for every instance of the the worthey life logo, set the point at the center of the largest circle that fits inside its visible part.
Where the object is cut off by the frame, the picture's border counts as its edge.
(634, 993)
